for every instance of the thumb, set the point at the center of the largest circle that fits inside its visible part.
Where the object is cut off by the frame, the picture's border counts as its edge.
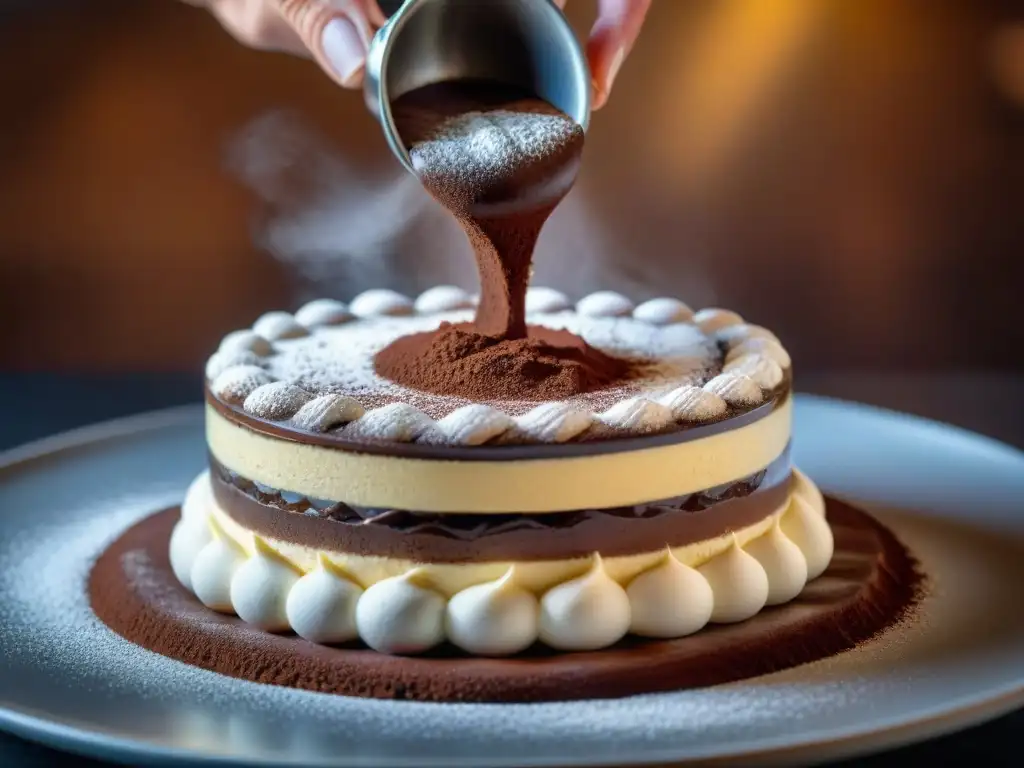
(337, 34)
(611, 39)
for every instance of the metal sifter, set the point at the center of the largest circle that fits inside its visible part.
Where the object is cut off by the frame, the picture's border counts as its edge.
(527, 43)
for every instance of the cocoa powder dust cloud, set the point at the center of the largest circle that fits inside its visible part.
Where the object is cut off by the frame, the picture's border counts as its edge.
(342, 224)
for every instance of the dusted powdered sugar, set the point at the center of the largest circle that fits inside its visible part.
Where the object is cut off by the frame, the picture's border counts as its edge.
(323, 312)
(639, 415)
(551, 423)
(692, 403)
(763, 371)
(233, 385)
(443, 298)
(605, 304)
(279, 325)
(736, 389)
(222, 361)
(473, 425)
(327, 412)
(381, 301)
(245, 341)
(713, 319)
(477, 149)
(737, 333)
(762, 347)
(398, 422)
(663, 311)
(678, 371)
(48, 633)
(341, 360)
(276, 401)
(546, 300)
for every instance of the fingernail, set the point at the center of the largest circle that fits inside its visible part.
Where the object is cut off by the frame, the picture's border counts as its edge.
(613, 70)
(343, 48)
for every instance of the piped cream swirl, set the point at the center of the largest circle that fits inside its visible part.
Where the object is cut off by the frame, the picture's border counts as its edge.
(321, 607)
(503, 613)
(496, 618)
(670, 600)
(260, 587)
(585, 613)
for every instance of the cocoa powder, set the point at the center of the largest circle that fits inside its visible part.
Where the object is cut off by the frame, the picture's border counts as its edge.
(872, 584)
(456, 360)
(500, 161)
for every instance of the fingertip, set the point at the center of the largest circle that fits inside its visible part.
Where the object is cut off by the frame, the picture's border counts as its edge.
(355, 80)
(344, 49)
(375, 14)
(611, 39)
(605, 56)
(613, 67)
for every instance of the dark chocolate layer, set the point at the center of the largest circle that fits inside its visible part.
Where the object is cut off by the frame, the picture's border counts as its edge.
(873, 582)
(455, 538)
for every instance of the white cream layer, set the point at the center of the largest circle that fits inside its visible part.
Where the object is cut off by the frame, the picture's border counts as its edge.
(536, 485)
(488, 609)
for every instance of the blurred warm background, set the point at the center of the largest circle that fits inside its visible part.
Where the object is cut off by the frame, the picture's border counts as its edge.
(847, 172)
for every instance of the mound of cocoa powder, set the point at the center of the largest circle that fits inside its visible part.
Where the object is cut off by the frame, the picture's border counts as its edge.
(456, 360)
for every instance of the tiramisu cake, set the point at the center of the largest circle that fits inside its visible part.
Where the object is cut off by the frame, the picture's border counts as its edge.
(398, 489)
(509, 506)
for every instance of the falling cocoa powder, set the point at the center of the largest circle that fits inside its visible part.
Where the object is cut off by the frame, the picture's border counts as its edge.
(499, 160)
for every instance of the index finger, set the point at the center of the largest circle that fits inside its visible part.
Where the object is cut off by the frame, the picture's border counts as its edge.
(611, 39)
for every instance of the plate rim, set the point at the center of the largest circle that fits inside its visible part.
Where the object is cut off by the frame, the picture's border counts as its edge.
(97, 432)
(110, 429)
(824, 743)
(847, 742)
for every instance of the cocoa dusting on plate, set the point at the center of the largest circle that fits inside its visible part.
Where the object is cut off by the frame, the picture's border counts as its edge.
(872, 584)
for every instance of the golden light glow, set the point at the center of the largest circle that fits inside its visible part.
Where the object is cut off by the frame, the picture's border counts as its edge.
(746, 50)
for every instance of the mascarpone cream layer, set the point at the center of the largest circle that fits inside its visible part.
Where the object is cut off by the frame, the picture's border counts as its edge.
(398, 606)
(450, 578)
(531, 485)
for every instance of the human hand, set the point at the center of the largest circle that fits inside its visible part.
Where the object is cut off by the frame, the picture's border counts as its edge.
(611, 39)
(337, 33)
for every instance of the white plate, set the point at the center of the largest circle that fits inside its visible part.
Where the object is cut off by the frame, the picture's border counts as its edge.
(69, 682)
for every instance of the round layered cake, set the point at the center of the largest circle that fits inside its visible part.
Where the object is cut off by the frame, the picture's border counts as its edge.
(380, 475)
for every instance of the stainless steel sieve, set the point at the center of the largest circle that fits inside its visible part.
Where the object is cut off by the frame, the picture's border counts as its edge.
(527, 43)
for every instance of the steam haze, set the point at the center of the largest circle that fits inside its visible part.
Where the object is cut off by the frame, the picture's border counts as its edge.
(342, 229)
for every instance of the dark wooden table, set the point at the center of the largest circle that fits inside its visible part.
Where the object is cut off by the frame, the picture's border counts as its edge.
(34, 405)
